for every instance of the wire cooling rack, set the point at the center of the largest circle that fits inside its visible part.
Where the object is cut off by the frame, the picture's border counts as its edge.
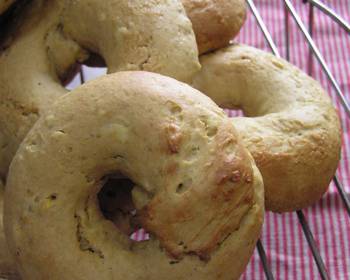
(290, 14)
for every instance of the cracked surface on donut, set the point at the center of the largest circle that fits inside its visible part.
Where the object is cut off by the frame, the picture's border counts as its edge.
(85, 244)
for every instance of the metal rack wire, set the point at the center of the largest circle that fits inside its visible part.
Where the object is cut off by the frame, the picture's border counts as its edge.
(307, 32)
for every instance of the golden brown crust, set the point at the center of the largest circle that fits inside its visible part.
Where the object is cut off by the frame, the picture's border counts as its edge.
(215, 22)
(116, 124)
(57, 34)
(294, 131)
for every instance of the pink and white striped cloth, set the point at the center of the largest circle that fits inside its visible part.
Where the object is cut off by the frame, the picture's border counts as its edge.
(286, 247)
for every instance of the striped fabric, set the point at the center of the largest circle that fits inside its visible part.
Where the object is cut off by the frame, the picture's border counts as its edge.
(282, 236)
(286, 247)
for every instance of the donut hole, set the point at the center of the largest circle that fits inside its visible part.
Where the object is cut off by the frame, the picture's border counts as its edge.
(234, 113)
(95, 60)
(116, 205)
(84, 74)
(91, 69)
(69, 75)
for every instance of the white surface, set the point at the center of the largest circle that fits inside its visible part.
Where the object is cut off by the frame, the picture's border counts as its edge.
(90, 73)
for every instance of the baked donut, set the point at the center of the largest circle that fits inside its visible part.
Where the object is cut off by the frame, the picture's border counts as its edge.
(215, 22)
(291, 129)
(7, 265)
(54, 35)
(197, 189)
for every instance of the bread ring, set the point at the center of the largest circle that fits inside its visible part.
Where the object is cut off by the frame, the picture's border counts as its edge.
(200, 193)
(293, 131)
(54, 35)
(215, 22)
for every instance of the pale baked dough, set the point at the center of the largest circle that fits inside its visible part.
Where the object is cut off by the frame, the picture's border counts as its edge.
(155, 36)
(292, 129)
(198, 191)
(215, 22)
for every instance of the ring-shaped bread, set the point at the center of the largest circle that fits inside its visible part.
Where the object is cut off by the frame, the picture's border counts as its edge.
(215, 22)
(198, 191)
(54, 35)
(291, 129)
